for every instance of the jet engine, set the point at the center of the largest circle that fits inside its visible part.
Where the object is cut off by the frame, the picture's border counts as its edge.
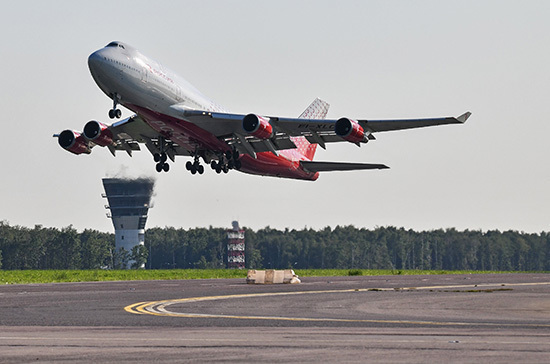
(257, 126)
(350, 130)
(73, 141)
(98, 133)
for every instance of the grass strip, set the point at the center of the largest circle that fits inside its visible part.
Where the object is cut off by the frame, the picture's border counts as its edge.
(58, 276)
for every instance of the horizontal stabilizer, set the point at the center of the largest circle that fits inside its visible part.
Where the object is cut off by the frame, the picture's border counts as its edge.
(339, 166)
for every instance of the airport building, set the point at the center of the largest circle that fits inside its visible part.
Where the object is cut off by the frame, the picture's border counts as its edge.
(235, 247)
(129, 201)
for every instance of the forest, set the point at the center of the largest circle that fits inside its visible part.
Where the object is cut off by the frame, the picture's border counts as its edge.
(342, 247)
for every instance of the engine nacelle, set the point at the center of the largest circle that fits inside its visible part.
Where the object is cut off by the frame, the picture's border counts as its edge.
(98, 133)
(350, 130)
(257, 126)
(73, 141)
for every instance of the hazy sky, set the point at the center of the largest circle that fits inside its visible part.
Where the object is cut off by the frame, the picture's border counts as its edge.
(368, 59)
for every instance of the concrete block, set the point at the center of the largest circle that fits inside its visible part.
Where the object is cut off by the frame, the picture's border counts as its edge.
(271, 276)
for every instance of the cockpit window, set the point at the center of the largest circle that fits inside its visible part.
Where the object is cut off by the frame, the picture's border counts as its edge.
(115, 44)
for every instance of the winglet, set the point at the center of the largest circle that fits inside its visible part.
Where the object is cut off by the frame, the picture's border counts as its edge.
(462, 118)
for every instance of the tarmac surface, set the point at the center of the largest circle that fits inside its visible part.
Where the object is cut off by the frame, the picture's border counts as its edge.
(410, 319)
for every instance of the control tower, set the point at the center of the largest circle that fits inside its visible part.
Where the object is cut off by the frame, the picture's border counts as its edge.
(129, 201)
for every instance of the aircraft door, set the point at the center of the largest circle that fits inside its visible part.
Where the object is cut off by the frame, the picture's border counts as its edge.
(143, 74)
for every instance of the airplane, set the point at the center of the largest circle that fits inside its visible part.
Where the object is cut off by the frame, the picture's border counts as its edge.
(172, 118)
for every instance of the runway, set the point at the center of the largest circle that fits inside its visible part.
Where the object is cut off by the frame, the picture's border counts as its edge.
(451, 318)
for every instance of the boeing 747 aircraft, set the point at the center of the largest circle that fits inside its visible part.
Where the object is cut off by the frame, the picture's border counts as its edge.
(173, 118)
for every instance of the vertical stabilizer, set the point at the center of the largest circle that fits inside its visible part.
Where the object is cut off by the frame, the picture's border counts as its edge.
(318, 109)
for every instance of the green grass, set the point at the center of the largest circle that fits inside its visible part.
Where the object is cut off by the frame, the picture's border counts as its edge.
(56, 276)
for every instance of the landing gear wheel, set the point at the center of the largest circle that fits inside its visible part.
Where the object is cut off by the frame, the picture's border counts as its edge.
(196, 167)
(115, 113)
(238, 164)
(156, 157)
(163, 157)
(162, 167)
(225, 169)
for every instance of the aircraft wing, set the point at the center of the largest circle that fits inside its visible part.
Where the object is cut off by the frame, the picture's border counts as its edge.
(299, 126)
(230, 127)
(125, 135)
(133, 130)
(389, 125)
(128, 133)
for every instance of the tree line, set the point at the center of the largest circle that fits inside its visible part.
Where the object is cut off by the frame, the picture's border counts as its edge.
(342, 247)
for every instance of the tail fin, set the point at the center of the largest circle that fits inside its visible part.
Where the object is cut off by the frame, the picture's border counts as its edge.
(318, 109)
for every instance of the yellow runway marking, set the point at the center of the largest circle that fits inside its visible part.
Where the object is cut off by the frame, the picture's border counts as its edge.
(159, 308)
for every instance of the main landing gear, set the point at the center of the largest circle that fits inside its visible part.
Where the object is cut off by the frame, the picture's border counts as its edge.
(195, 167)
(228, 160)
(114, 112)
(160, 156)
(161, 162)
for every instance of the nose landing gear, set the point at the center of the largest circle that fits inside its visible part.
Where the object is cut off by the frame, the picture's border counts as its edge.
(114, 112)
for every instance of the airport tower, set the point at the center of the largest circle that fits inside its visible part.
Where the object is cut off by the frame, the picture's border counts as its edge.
(235, 247)
(129, 201)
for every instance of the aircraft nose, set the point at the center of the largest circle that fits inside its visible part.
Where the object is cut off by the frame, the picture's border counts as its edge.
(94, 60)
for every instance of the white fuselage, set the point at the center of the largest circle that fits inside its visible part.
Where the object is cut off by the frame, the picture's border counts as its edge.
(138, 80)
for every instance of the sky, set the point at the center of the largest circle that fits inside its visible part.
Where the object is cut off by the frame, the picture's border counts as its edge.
(368, 59)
